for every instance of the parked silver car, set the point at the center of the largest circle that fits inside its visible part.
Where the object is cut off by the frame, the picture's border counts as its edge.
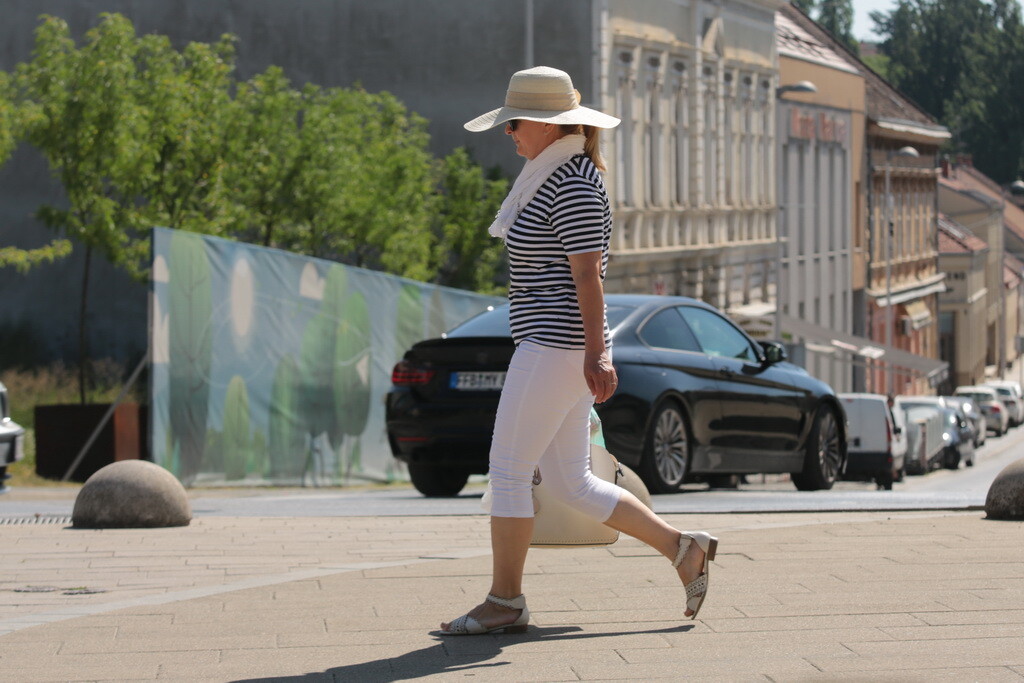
(996, 414)
(979, 425)
(1008, 393)
(12, 438)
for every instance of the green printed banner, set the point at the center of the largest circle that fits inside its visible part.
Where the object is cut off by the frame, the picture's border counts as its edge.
(268, 367)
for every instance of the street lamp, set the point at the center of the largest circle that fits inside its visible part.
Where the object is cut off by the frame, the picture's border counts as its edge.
(889, 317)
(799, 87)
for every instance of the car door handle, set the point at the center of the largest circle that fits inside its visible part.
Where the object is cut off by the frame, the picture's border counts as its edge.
(725, 372)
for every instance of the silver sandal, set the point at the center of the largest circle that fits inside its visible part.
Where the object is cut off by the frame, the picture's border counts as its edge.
(468, 626)
(697, 589)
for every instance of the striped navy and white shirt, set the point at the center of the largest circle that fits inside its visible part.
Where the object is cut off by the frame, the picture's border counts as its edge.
(569, 214)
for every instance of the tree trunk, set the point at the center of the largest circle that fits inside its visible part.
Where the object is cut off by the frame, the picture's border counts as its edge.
(83, 352)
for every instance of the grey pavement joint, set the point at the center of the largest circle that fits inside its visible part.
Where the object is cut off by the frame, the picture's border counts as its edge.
(811, 596)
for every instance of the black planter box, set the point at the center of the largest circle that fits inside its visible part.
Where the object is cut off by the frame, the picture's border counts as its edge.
(62, 430)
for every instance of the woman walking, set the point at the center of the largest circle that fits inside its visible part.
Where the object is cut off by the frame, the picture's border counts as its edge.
(556, 223)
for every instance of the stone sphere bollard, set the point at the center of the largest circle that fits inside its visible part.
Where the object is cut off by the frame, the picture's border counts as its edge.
(1005, 498)
(131, 494)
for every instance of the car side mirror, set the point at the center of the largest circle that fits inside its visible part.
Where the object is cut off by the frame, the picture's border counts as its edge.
(774, 352)
(897, 430)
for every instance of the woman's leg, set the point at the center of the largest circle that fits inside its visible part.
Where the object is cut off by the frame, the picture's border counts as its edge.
(540, 389)
(632, 517)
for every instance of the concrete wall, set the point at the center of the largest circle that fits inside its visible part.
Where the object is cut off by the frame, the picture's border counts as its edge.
(448, 60)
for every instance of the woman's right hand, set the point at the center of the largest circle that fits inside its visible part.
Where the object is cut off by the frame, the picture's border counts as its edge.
(602, 380)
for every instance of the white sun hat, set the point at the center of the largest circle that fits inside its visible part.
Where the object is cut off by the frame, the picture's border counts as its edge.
(542, 94)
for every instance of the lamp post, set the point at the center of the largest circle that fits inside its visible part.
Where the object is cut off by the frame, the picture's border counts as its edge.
(889, 317)
(799, 87)
(1017, 188)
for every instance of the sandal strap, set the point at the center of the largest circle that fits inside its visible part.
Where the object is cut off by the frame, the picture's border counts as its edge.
(683, 547)
(465, 625)
(697, 587)
(513, 603)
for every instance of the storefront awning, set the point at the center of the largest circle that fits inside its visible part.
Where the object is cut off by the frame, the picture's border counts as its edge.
(824, 340)
(918, 314)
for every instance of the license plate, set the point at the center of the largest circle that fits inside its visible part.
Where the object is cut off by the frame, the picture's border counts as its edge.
(477, 381)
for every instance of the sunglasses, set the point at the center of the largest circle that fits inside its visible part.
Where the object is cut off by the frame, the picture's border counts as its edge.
(512, 124)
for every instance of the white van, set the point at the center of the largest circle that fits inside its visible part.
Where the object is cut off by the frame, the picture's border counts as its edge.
(876, 439)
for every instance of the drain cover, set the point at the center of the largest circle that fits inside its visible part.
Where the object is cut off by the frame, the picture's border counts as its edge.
(35, 519)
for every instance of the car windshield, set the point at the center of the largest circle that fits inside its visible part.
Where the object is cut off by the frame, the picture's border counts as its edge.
(980, 396)
(1003, 391)
(494, 322)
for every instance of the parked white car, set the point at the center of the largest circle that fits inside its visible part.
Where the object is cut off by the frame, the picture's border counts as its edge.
(12, 438)
(1009, 394)
(876, 439)
(926, 444)
(997, 416)
(957, 436)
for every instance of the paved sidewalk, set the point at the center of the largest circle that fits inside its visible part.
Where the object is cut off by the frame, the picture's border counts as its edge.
(861, 596)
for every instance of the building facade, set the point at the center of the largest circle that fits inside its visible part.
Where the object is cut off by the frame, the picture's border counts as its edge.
(963, 306)
(821, 145)
(693, 164)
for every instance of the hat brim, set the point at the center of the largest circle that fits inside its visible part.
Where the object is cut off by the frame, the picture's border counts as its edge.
(580, 115)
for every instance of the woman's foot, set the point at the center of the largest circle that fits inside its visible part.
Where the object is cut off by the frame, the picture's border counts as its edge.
(492, 614)
(695, 551)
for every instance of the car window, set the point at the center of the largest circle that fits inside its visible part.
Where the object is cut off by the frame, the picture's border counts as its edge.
(616, 314)
(716, 335)
(666, 330)
(491, 323)
(494, 322)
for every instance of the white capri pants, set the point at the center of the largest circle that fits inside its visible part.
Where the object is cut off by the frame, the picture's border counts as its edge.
(544, 420)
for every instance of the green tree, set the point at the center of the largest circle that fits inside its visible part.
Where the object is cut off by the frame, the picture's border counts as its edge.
(189, 322)
(364, 190)
(961, 60)
(77, 109)
(836, 16)
(186, 100)
(237, 441)
(805, 6)
(263, 140)
(465, 255)
(287, 432)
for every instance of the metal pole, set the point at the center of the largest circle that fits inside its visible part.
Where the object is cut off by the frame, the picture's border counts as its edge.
(102, 423)
(890, 381)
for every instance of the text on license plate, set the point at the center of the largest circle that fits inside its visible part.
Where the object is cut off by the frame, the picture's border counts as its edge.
(477, 381)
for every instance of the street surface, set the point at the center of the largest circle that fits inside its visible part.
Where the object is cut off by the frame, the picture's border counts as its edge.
(962, 489)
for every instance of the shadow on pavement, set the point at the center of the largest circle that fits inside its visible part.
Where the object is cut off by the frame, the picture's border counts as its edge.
(447, 656)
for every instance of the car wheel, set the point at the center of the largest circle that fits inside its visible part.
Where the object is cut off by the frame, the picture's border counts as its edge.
(666, 456)
(824, 454)
(437, 482)
(952, 459)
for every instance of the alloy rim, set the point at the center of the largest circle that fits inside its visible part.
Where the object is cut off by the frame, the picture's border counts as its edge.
(828, 446)
(670, 447)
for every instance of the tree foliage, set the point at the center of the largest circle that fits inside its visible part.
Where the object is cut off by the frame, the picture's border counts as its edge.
(835, 16)
(963, 62)
(141, 134)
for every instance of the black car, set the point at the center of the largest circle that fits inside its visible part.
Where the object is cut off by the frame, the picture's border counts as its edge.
(697, 397)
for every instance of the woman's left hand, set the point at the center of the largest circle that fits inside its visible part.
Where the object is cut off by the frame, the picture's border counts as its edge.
(600, 375)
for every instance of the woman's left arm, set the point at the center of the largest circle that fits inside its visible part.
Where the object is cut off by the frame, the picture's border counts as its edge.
(597, 365)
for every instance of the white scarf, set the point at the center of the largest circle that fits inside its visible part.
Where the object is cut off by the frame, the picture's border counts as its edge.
(534, 174)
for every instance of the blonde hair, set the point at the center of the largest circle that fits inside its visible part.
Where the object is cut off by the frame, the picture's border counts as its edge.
(592, 146)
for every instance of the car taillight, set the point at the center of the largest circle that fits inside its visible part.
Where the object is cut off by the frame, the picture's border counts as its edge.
(405, 374)
(996, 409)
